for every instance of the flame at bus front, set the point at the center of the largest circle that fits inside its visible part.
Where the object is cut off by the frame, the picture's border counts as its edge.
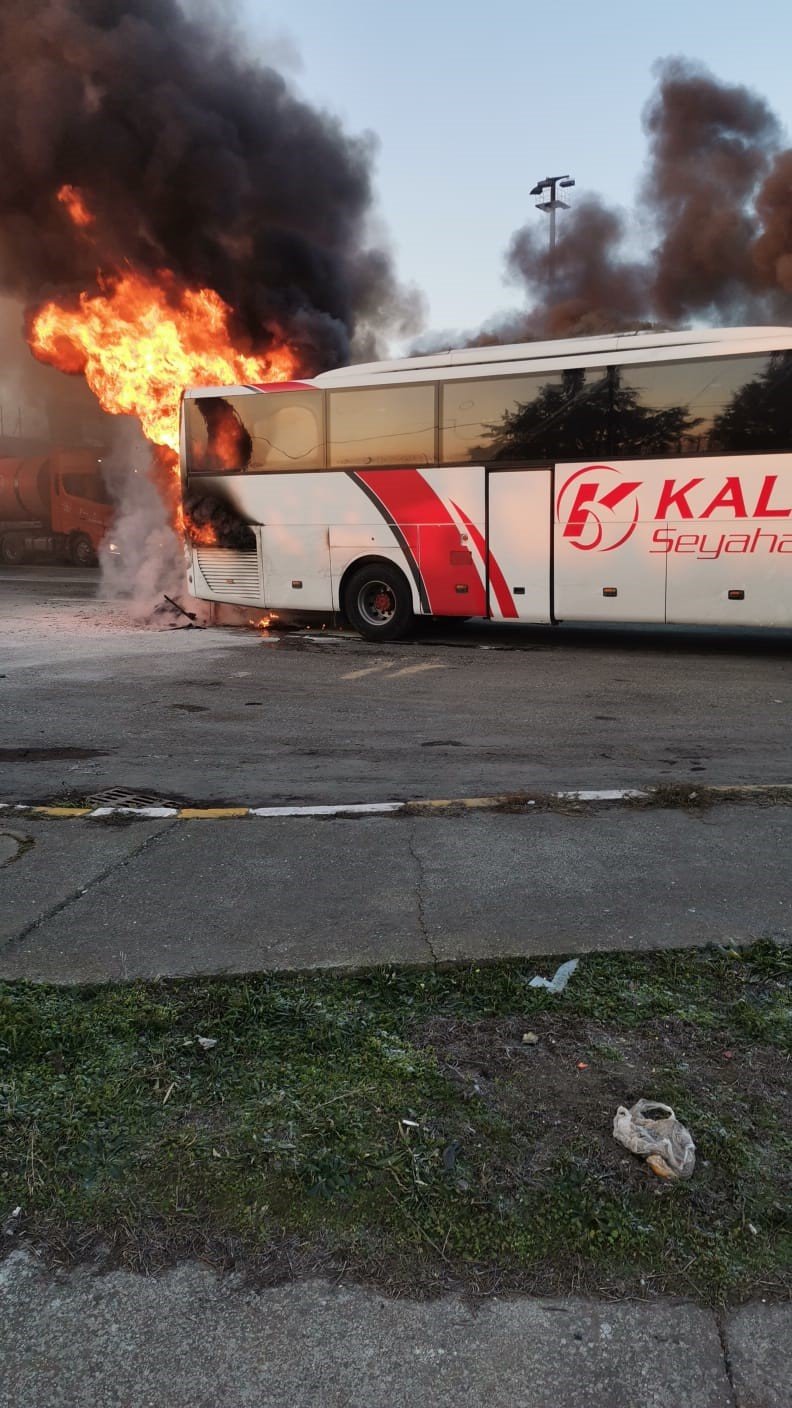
(140, 341)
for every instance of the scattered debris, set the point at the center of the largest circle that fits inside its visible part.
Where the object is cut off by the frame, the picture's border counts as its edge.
(191, 615)
(666, 1144)
(11, 1224)
(529, 1039)
(559, 979)
(582, 1065)
(206, 1042)
(450, 1154)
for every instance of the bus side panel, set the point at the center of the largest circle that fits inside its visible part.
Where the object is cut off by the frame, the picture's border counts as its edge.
(438, 515)
(696, 541)
(625, 585)
(719, 551)
(309, 529)
(296, 564)
(519, 544)
(453, 541)
(607, 565)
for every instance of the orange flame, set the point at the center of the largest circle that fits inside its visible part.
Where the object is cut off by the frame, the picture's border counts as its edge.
(77, 210)
(139, 342)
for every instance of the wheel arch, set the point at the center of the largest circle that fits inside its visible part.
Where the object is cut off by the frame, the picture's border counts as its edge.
(373, 559)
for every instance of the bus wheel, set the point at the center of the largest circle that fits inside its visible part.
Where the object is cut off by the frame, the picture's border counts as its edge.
(377, 602)
(81, 551)
(13, 550)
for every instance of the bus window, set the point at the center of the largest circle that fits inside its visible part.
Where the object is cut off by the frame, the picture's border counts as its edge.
(759, 413)
(549, 416)
(264, 431)
(694, 407)
(383, 425)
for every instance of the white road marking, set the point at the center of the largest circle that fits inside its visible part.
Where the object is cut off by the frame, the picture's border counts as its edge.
(370, 670)
(357, 807)
(418, 669)
(613, 794)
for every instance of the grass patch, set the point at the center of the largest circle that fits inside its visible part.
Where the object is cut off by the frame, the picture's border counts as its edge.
(394, 1126)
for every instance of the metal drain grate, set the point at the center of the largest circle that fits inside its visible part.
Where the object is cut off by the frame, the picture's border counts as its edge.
(123, 797)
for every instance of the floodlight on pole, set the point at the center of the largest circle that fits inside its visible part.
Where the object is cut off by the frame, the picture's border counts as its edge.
(551, 202)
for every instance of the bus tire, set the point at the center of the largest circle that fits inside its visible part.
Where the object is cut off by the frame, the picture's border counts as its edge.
(13, 550)
(81, 551)
(378, 602)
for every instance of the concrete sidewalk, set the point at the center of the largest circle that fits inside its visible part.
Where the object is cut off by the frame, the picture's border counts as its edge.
(190, 1337)
(88, 901)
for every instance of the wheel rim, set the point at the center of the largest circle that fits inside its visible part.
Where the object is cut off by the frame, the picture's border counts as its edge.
(83, 553)
(376, 602)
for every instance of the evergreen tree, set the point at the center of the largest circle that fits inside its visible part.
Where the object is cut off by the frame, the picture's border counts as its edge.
(578, 418)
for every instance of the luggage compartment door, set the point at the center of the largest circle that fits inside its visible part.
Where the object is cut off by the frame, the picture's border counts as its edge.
(519, 509)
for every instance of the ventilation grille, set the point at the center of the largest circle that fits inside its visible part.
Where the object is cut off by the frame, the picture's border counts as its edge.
(231, 575)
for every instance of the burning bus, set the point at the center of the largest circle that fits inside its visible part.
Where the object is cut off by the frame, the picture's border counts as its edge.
(638, 477)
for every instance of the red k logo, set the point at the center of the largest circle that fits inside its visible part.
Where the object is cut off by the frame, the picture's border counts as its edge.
(598, 508)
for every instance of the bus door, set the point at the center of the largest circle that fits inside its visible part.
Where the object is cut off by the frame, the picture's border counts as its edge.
(519, 538)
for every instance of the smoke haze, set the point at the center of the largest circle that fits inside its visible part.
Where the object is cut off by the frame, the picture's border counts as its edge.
(192, 157)
(146, 559)
(714, 213)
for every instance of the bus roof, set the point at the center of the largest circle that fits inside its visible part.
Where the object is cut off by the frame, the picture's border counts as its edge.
(541, 356)
(729, 340)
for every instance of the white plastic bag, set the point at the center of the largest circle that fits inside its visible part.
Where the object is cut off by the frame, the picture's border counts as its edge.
(559, 979)
(666, 1144)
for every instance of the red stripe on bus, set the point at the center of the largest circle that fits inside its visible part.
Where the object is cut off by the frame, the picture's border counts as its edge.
(497, 579)
(431, 535)
(280, 385)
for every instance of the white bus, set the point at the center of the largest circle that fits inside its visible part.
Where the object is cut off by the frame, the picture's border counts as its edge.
(645, 477)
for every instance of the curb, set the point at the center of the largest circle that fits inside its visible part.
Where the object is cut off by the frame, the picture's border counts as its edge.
(769, 791)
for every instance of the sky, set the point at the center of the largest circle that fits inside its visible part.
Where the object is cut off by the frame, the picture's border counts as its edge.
(473, 103)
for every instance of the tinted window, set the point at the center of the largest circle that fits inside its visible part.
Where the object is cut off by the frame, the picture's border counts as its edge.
(695, 407)
(85, 486)
(270, 430)
(383, 425)
(548, 416)
(758, 415)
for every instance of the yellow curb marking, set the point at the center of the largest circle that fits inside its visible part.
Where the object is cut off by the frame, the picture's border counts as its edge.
(213, 813)
(457, 802)
(61, 811)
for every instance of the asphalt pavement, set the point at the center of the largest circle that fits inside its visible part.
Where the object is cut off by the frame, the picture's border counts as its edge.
(92, 700)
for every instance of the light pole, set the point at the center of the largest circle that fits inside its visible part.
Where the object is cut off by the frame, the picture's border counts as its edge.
(548, 188)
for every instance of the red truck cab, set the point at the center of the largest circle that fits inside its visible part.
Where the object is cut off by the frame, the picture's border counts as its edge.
(54, 504)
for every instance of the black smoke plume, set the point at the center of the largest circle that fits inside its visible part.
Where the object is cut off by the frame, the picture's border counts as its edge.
(714, 217)
(203, 510)
(194, 157)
